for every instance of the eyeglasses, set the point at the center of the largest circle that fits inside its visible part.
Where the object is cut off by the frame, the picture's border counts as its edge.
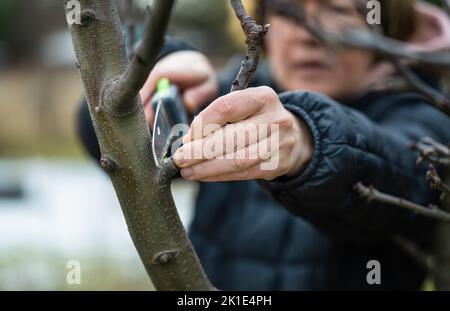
(331, 14)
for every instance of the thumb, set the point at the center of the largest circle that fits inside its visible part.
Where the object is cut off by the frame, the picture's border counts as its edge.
(197, 96)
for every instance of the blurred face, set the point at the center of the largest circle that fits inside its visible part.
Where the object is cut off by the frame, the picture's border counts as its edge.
(300, 62)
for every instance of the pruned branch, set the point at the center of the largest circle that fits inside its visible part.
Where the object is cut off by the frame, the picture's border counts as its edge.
(372, 194)
(254, 34)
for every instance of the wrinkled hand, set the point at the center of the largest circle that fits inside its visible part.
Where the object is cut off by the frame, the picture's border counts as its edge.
(245, 135)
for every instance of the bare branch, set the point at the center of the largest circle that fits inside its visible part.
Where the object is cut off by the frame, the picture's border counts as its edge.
(372, 194)
(432, 151)
(254, 34)
(438, 100)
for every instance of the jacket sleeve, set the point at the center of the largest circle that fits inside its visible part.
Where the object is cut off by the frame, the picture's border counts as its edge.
(349, 147)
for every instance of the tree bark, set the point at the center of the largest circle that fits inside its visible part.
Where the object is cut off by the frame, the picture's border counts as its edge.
(143, 190)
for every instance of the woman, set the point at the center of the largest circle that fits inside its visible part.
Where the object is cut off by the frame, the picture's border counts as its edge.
(301, 226)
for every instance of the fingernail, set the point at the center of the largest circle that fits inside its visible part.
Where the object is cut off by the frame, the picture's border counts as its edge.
(186, 173)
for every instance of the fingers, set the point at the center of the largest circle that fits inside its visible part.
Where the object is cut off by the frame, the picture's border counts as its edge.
(247, 174)
(239, 139)
(243, 164)
(223, 141)
(231, 108)
(251, 173)
(246, 135)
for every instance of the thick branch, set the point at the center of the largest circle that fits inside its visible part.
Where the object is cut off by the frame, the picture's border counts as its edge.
(254, 34)
(372, 194)
(146, 55)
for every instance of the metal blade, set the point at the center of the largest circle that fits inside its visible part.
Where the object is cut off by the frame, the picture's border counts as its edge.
(162, 132)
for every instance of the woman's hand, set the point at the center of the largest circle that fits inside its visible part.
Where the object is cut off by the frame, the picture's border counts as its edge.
(191, 71)
(245, 135)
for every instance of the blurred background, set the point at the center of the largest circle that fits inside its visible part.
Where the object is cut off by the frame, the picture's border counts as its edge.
(56, 205)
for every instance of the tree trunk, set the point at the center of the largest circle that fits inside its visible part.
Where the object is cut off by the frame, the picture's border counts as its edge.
(143, 189)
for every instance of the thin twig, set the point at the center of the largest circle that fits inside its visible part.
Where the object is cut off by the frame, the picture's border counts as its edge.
(372, 194)
(438, 100)
(254, 34)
